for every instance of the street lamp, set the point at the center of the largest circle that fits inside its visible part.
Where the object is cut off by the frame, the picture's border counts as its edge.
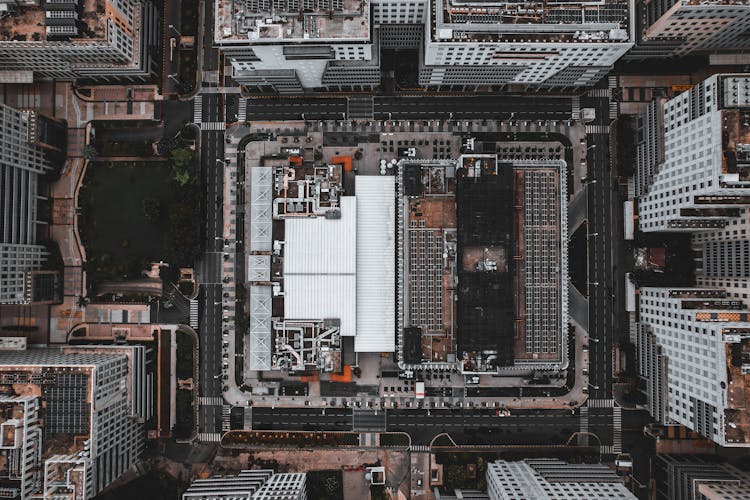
(594, 340)
(594, 283)
(595, 387)
(591, 147)
(592, 234)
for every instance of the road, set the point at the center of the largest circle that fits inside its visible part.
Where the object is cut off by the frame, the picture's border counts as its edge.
(523, 427)
(426, 107)
(209, 269)
(602, 240)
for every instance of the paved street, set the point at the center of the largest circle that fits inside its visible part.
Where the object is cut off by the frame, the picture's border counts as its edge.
(427, 107)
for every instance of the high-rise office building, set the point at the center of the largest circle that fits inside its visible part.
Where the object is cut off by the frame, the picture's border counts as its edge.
(694, 354)
(552, 479)
(335, 44)
(100, 39)
(674, 28)
(690, 477)
(72, 419)
(30, 146)
(249, 485)
(693, 160)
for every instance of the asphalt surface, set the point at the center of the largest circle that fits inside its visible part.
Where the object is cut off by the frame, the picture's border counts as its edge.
(603, 239)
(522, 427)
(423, 107)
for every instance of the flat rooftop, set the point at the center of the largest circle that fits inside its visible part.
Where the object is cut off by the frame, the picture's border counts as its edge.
(263, 21)
(56, 20)
(736, 418)
(522, 21)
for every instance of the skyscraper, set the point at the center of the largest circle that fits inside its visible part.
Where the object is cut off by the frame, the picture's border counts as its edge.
(28, 143)
(673, 28)
(552, 479)
(106, 39)
(249, 485)
(73, 419)
(693, 161)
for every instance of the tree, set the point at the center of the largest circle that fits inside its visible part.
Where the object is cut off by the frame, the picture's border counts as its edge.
(183, 162)
(90, 152)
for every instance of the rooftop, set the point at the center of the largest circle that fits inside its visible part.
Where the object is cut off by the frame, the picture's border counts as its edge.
(525, 21)
(263, 21)
(736, 417)
(55, 20)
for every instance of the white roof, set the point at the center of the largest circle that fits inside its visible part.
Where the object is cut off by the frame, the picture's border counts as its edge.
(320, 266)
(376, 264)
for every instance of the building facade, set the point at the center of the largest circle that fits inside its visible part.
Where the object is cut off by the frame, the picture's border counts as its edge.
(249, 485)
(94, 404)
(102, 40)
(694, 350)
(675, 28)
(335, 44)
(690, 477)
(703, 180)
(552, 479)
(30, 145)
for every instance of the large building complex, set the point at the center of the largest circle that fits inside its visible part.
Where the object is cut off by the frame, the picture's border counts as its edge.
(689, 477)
(420, 261)
(673, 28)
(335, 44)
(552, 479)
(72, 419)
(694, 351)
(261, 484)
(102, 39)
(30, 147)
(693, 162)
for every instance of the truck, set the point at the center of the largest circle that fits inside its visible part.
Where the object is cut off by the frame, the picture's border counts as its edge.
(419, 390)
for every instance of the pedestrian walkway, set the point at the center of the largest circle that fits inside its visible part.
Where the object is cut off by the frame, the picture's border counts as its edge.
(198, 109)
(606, 450)
(601, 403)
(614, 106)
(193, 314)
(242, 112)
(600, 92)
(225, 412)
(220, 90)
(360, 107)
(597, 129)
(213, 126)
(617, 431)
(211, 401)
(419, 448)
(576, 102)
(209, 437)
(583, 436)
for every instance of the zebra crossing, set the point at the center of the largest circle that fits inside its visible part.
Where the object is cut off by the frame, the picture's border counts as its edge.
(213, 126)
(193, 314)
(209, 437)
(614, 108)
(198, 109)
(576, 103)
(606, 449)
(211, 401)
(225, 411)
(617, 432)
(601, 403)
(242, 112)
(600, 93)
(597, 129)
(583, 436)
(422, 448)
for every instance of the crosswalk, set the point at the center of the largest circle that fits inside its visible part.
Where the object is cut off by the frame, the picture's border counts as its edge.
(617, 432)
(600, 93)
(225, 411)
(601, 403)
(209, 437)
(583, 437)
(597, 129)
(211, 401)
(576, 102)
(242, 112)
(198, 109)
(614, 108)
(193, 313)
(422, 448)
(606, 449)
(213, 126)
